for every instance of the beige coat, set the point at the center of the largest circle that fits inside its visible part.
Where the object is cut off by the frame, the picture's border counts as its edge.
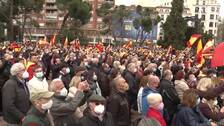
(180, 86)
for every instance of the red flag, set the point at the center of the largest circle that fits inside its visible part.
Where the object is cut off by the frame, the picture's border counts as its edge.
(193, 39)
(53, 40)
(99, 47)
(200, 59)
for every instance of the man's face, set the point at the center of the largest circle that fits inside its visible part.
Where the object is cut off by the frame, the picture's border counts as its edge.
(59, 86)
(20, 75)
(34, 59)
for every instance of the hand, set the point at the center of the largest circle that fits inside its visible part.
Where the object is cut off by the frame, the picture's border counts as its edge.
(222, 110)
(83, 86)
(213, 124)
(67, 58)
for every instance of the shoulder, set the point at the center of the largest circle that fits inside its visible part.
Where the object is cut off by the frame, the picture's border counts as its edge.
(10, 83)
(31, 120)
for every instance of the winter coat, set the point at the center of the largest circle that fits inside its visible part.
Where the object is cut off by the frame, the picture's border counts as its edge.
(15, 96)
(180, 86)
(90, 120)
(155, 114)
(118, 105)
(37, 118)
(104, 83)
(63, 110)
(145, 93)
(190, 117)
(170, 98)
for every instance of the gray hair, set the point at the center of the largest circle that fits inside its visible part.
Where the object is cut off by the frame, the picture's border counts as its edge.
(16, 68)
(52, 86)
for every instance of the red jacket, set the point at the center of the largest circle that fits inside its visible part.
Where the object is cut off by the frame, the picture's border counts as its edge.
(155, 114)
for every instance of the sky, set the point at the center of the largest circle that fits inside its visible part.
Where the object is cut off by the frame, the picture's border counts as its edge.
(222, 8)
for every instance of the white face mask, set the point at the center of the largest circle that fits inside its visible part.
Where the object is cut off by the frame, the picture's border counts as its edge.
(25, 75)
(94, 77)
(99, 109)
(47, 105)
(215, 102)
(67, 70)
(64, 92)
(171, 77)
(135, 70)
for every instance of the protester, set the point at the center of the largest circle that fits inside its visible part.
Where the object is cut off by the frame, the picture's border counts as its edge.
(169, 95)
(15, 96)
(117, 103)
(189, 114)
(152, 85)
(39, 114)
(180, 83)
(156, 108)
(38, 80)
(143, 84)
(96, 114)
(63, 107)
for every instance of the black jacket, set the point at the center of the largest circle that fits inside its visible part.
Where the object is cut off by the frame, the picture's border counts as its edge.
(15, 101)
(170, 97)
(104, 83)
(63, 110)
(90, 120)
(118, 105)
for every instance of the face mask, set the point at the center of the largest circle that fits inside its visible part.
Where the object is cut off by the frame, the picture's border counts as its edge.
(215, 102)
(47, 105)
(198, 101)
(195, 79)
(64, 92)
(39, 74)
(99, 109)
(214, 75)
(161, 106)
(25, 75)
(171, 77)
(94, 77)
(67, 70)
(154, 69)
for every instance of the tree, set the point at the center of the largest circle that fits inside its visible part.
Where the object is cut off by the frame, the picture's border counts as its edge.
(175, 26)
(143, 24)
(77, 10)
(11, 9)
(220, 32)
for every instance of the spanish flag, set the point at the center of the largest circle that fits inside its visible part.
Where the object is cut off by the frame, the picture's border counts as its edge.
(193, 39)
(208, 46)
(200, 59)
(99, 47)
(53, 40)
(66, 43)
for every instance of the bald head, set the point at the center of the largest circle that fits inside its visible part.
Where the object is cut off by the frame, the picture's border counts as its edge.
(153, 81)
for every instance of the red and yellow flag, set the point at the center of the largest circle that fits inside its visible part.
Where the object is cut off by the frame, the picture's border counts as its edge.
(53, 40)
(99, 47)
(200, 59)
(208, 46)
(193, 39)
(66, 43)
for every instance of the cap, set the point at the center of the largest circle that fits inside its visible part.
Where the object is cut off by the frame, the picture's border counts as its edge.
(40, 94)
(96, 98)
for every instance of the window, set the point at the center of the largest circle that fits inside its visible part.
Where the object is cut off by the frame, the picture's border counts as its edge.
(210, 24)
(210, 31)
(215, 24)
(203, 2)
(212, 9)
(196, 9)
(217, 17)
(196, 16)
(197, 2)
(217, 10)
(203, 10)
(211, 16)
(202, 17)
(202, 24)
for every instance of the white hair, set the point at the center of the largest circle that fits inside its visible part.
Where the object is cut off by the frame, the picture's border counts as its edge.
(16, 68)
(154, 98)
(116, 64)
(53, 83)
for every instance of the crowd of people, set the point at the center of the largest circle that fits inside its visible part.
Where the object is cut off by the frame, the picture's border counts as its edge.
(116, 86)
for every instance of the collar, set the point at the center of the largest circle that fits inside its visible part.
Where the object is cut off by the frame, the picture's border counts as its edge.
(36, 112)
